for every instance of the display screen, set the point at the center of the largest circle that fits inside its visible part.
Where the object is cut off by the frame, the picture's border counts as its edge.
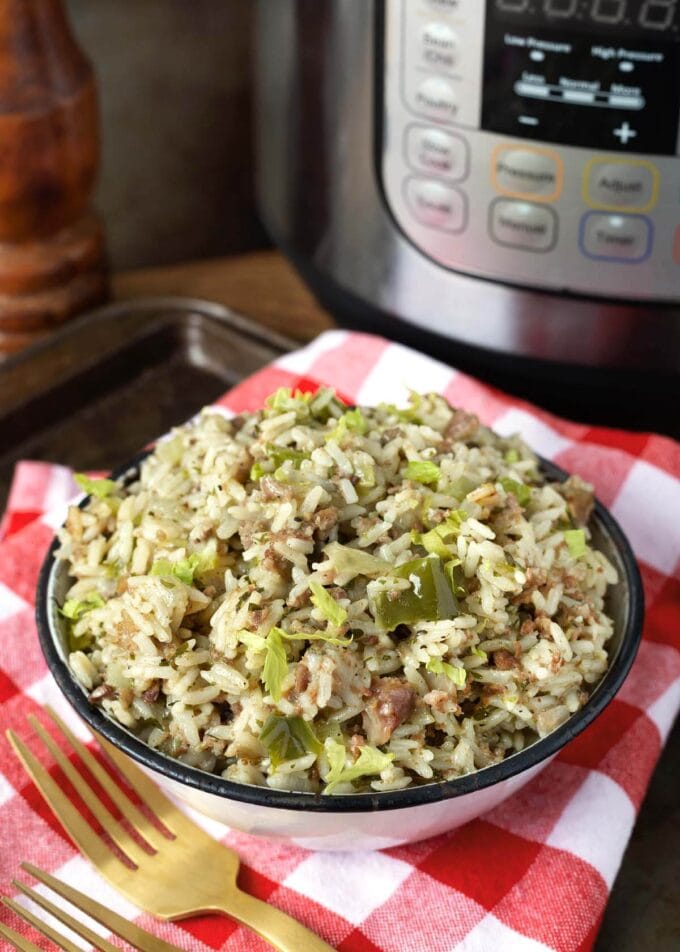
(625, 15)
(595, 73)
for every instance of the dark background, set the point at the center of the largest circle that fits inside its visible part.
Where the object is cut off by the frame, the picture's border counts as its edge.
(174, 76)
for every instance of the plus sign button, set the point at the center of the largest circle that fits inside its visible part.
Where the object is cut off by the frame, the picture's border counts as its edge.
(625, 133)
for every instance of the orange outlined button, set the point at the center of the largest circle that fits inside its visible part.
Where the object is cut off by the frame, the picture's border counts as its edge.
(527, 172)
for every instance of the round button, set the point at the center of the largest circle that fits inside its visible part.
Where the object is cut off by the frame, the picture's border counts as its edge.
(437, 152)
(436, 98)
(438, 46)
(436, 204)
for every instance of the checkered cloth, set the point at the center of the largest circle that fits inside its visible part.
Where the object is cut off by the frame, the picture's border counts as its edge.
(534, 873)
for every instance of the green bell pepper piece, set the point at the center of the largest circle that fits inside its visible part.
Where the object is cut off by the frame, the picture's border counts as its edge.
(428, 598)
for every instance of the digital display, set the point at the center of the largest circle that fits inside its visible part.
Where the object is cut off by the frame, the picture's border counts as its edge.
(628, 15)
(593, 73)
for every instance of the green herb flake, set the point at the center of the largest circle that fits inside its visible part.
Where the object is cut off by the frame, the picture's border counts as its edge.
(286, 738)
(512, 456)
(101, 488)
(275, 664)
(576, 542)
(453, 673)
(478, 653)
(256, 472)
(327, 605)
(370, 761)
(521, 492)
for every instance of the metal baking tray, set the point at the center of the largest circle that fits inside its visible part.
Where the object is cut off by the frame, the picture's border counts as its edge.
(101, 388)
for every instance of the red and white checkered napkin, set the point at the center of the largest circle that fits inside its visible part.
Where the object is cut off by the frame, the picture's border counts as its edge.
(534, 873)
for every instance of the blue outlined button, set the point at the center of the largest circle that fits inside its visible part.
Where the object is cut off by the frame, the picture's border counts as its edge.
(627, 239)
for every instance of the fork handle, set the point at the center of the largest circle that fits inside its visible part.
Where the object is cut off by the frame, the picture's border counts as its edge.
(277, 928)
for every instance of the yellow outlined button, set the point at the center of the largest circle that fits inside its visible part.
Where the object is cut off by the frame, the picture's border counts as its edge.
(620, 185)
(522, 171)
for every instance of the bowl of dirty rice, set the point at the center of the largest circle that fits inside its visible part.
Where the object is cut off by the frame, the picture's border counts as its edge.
(342, 626)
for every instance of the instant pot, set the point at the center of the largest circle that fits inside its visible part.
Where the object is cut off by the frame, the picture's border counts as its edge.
(496, 181)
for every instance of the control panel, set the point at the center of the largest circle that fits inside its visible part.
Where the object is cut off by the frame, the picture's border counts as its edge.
(538, 141)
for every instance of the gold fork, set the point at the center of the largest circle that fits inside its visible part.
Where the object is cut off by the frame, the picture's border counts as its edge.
(180, 871)
(137, 937)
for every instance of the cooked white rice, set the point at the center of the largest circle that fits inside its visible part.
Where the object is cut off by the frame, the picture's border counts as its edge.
(244, 607)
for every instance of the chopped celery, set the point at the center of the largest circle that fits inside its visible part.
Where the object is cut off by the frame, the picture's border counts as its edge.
(279, 454)
(252, 640)
(74, 608)
(370, 761)
(422, 471)
(186, 570)
(275, 664)
(576, 541)
(352, 421)
(452, 672)
(101, 488)
(339, 640)
(285, 738)
(327, 605)
(521, 492)
(346, 560)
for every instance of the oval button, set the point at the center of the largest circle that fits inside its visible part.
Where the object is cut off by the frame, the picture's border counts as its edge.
(437, 152)
(438, 46)
(437, 205)
(626, 238)
(527, 172)
(437, 99)
(447, 6)
(621, 185)
(522, 225)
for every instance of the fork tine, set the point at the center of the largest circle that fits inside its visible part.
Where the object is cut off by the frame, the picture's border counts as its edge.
(134, 816)
(148, 792)
(18, 941)
(127, 930)
(62, 916)
(77, 828)
(108, 823)
(41, 926)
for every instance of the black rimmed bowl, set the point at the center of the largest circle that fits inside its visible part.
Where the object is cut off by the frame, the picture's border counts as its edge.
(369, 820)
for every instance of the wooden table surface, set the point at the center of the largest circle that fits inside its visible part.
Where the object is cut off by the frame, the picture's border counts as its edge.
(261, 285)
(642, 911)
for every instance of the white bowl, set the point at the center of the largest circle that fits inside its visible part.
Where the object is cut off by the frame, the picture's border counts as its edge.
(366, 820)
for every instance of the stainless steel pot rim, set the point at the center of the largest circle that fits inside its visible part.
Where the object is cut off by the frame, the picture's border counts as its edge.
(541, 750)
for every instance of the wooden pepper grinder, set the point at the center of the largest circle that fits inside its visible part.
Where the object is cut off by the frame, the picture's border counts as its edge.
(52, 249)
